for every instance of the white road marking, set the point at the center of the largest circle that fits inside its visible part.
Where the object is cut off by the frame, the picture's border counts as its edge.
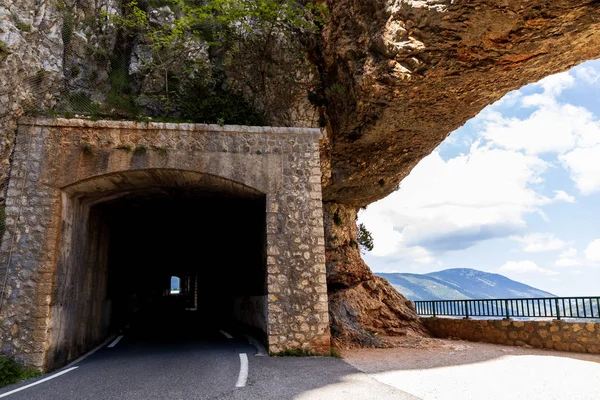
(114, 343)
(243, 376)
(89, 353)
(227, 335)
(38, 382)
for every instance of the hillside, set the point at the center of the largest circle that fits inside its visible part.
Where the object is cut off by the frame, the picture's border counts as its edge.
(458, 284)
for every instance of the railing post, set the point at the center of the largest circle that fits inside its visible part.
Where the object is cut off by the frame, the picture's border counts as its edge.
(466, 309)
(433, 305)
(506, 309)
(557, 309)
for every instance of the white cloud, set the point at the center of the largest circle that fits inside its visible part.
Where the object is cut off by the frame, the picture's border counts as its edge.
(451, 205)
(553, 128)
(561, 195)
(540, 242)
(592, 252)
(587, 74)
(572, 132)
(584, 168)
(568, 258)
(554, 85)
(389, 242)
(524, 267)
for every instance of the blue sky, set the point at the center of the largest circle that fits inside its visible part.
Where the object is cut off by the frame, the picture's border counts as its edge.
(515, 191)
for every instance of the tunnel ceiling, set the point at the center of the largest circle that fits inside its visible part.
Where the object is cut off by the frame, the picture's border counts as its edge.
(138, 185)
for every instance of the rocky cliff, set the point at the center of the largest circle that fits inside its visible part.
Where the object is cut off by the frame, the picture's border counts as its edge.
(406, 73)
(392, 78)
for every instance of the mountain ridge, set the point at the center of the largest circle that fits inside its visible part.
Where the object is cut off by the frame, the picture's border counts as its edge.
(460, 284)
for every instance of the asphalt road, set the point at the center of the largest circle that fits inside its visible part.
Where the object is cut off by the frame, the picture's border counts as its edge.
(186, 361)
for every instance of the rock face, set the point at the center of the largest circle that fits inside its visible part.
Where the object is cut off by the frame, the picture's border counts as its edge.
(397, 77)
(406, 73)
(30, 59)
(363, 307)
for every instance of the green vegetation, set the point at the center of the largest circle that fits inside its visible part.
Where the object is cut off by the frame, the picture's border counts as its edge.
(336, 88)
(333, 352)
(75, 71)
(22, 26)
(370, 332)
(127, 147)
(87, 149)
(39, 77)
(12, 372)
(81, 102)
(161, 149)
(140, 149)
(186, 87)
(336, 219)
(293, 353)
(222, 108)
(207, 61)
(68, 25)
(4, 50)
(365, 238)
(322, 122)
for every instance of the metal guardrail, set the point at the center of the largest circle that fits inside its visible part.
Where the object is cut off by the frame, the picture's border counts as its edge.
(549, 307)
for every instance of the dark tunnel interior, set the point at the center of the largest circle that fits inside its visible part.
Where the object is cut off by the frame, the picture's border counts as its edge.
(214, 243)
(121, 250)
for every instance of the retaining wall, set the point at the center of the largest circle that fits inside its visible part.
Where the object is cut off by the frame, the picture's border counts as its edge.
(581, 337)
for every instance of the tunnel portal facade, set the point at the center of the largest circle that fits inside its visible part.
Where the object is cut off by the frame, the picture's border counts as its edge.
(100, 215)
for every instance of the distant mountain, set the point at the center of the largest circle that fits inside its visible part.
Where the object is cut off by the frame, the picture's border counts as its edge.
(460, 284)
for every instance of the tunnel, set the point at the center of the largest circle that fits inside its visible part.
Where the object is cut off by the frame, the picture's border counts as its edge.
(126, 236)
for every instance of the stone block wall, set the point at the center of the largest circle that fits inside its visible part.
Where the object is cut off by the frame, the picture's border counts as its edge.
(58, 162)
(580, 337)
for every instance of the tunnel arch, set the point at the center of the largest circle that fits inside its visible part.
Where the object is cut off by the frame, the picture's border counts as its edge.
(127, 232)
(109, 186)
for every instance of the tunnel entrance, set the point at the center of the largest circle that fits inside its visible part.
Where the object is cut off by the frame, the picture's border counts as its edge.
(96, 230)
(214, 243)
(129, 242)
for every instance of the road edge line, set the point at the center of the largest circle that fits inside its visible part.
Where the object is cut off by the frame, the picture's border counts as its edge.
(114, 343)
(38, 382)
(89, 353)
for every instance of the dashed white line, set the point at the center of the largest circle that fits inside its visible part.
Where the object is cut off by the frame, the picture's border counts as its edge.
(114, 343)
(227, 335)
(243, 376)
(38, 382)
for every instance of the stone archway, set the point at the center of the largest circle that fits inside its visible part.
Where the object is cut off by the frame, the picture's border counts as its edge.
(69, 175)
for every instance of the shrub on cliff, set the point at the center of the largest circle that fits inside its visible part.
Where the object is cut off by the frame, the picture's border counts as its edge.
(12, 372)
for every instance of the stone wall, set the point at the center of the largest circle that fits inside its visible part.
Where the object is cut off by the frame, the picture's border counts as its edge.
(580, 337)
(60, 165)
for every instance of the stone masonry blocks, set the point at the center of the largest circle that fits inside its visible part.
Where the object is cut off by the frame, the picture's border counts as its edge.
(580, 337)
(57, 161)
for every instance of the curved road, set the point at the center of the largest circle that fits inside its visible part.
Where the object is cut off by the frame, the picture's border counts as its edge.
(191, 362)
